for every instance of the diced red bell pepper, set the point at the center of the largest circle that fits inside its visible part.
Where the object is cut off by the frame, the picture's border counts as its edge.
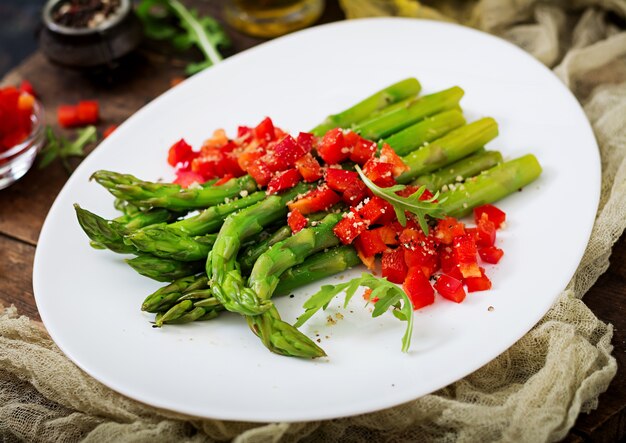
(394, 266)
(480, 283)
(244, 133)
(495, 215)
(187, 178)
(355, 192)
(350, 227)
(369, 262)
(464, 249)
(449, 264)
(180, 152)
(259, 171)
(26, 86)
(380, 173)
(250, 154)
(450, 288)
(265, 131)
(224, 180)
(419, 250)
(388, 235)
(309, 168)
(67, 116)
(109, 130)
(418, 288)
(306, 141)
(362, 151)
(370, 243)
(296, 221)
(486, 231)
(88, 112)
(339, 180)
(283, 180)
(448, 228)
(288, 150)
(316, 200)
(377, 209)
(490, 254)
(332, 147)
(388, 155)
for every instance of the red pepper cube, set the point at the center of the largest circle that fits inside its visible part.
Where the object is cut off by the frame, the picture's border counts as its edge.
(448, 228)
(380, 173)
(67, 116)
(88, 112)
(306, 141)
(296, 221)
(370, 243)
(259, 171)
(187, 178)
(225, 179)
(449, 265)
(389, 156)
(450, 288)
(250, 154)
(309, 168)
(486, 231)
(480, 283)
(490, 254)
(265, 131)
(495, 215)
(418, 288)
(332, 147)
(244, 133)
(316, 200)
(376, 209)
(464, 249)
(388, 235)
(350, 227)
(180, 152)
(362, 151)
(208, 164)
(393, 265)
(354, 193)
(288, 150)
(283, 180)
(339, 180)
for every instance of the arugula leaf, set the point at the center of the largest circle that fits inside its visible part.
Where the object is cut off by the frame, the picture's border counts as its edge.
(412, 203)
(171, 20)
(61, 148)
(389, 296)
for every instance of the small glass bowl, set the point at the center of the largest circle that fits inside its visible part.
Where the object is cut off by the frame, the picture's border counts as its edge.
(16, 161)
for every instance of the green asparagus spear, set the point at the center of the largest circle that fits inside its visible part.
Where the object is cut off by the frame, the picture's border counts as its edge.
(362, 110)
(171, 243)
(417, 109)
(171, 196)
(180, 286)
(425, 131)
(317, 267)
(222, 267)
(175, 312)
(164, 269)
(451, 147)
(196, 314)
(491, 185)
(294, 250)
(110, 233)
(458, 171)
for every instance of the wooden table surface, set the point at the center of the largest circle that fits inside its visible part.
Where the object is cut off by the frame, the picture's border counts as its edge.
(23, 206)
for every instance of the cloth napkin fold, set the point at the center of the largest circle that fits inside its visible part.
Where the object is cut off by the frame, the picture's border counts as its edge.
(532, 392)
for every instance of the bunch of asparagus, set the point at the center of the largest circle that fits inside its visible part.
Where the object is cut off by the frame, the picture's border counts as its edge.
(236, 252)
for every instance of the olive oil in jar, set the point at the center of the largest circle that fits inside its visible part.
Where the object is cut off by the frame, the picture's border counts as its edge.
(271, 18)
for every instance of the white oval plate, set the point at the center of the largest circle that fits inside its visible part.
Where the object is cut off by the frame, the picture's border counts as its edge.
(89, 300)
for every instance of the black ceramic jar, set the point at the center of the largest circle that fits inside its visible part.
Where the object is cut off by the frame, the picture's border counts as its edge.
(101, 44)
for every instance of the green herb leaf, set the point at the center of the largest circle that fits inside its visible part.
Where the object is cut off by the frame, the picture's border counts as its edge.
(171, 20)
(412, 203)
(61, 148)
(389, 296)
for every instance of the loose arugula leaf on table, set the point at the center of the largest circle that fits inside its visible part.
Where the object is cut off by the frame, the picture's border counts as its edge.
(61, 148)
(389, 296)
(184, 28)
(412, 203)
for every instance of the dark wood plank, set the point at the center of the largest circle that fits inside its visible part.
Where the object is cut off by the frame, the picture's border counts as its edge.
(16, 276)
(607, 299)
